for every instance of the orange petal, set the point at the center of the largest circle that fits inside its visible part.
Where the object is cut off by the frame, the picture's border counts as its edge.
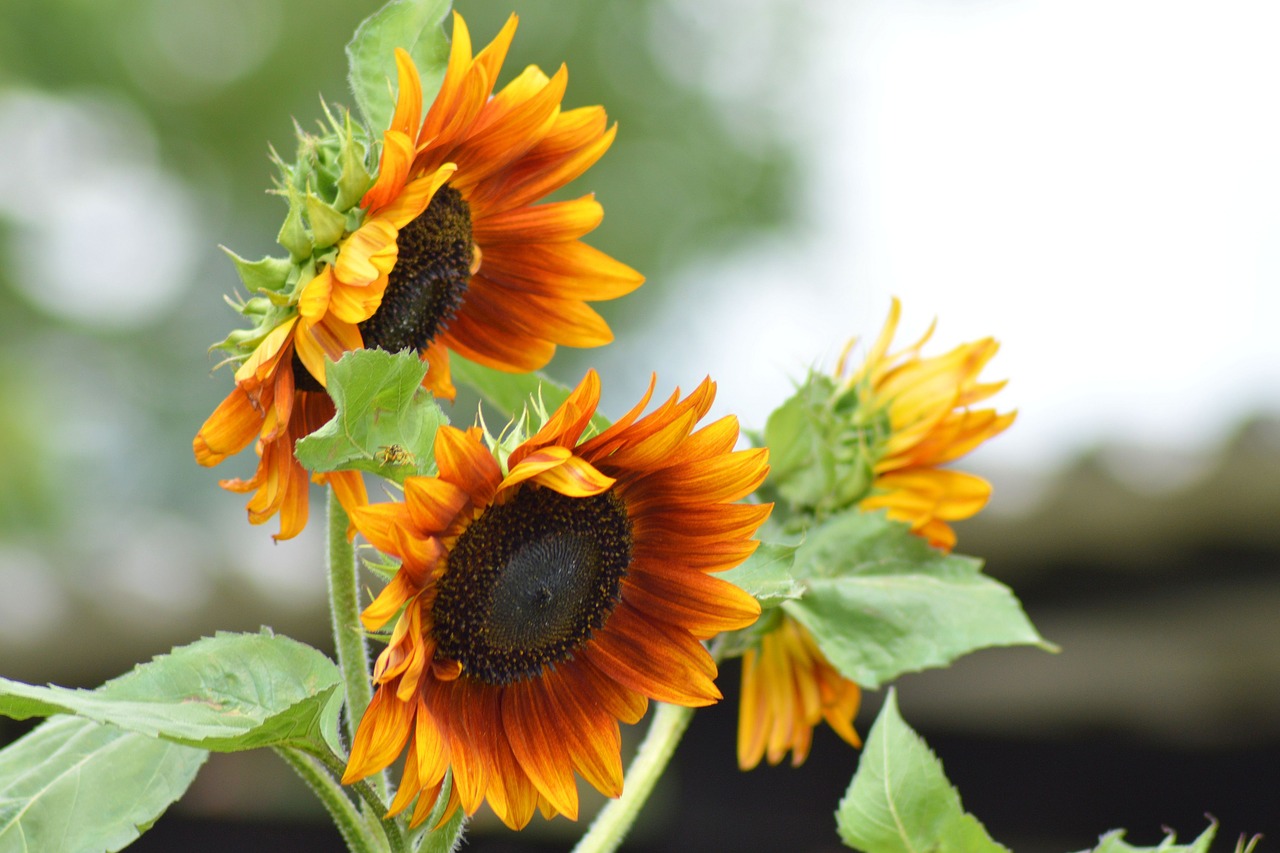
(466, 463)
(701, 604)
(496, 346)
(659, 660)
(534, 732)
(383, 732)
(567, 270)
(263, 360)
(433, 503)
(556, 222)
(229, 429)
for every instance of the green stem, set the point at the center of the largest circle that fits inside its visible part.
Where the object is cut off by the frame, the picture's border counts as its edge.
(375, 806)
(617, 816)
(344, 608)
(335, 800)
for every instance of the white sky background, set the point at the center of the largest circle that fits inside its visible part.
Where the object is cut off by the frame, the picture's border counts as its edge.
(1096, 183)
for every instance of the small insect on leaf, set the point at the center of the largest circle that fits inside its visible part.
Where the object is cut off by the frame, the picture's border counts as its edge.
(394, 454)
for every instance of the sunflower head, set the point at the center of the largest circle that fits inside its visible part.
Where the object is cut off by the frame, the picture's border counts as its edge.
(876, 436)
(546, 597)
(441, 246)
(926, 409)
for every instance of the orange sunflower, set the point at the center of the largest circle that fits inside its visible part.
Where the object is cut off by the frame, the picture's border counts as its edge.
(452, 253)
(788, 685)
(540, 607)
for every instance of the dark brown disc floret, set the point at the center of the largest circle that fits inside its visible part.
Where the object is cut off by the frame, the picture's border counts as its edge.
(529, 581)
(426, 286)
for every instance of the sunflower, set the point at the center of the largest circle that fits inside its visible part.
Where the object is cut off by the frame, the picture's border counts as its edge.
(544, 599)
(927, 404)
(788, 686)
(923, 405)
(451, 253)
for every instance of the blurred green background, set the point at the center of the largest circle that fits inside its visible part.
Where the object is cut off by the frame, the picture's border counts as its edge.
(133, 141)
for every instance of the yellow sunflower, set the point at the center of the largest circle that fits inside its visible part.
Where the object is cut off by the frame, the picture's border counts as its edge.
(452, 253)
(540, 607)
(788, 685)
(927, 402)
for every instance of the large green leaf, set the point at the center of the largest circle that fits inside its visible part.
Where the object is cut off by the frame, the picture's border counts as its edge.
(1113, 842)
(224, 693)
(386, 422)
(767, 574)
(901, 802)
(880, 602)
(512, 394)
(416, 26)
(74, 786)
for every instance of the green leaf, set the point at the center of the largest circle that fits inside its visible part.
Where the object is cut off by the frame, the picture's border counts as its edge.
(416, 26)
(880, 602)
(901, 802)
(73, 786)
(385, 423)
(514, 393)
(1113, 842)
(766, 574)
(224, 693)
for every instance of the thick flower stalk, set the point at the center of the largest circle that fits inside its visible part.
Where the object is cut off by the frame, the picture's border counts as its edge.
(446, 249)
(913, 414)
(547, 595)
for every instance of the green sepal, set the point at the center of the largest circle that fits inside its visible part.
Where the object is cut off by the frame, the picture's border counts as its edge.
(381, 565)
(416, 26)
(385, 422)
(880, 602)
(293, 234)
(73, 786)
(327, 224)
(224, 693)
(445, 839)
(822, 447)
(265, 275)
(354, 179)
(900, 800)
(1113, 842)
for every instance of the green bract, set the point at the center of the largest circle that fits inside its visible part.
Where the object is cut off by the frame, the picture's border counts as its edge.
(822, 447)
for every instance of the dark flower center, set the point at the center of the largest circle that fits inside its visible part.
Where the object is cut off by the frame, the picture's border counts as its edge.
(529, 581)
(424, 288)
(430, 277)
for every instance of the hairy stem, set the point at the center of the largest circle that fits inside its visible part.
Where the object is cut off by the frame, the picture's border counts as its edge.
(321, 782)
(344, 610)
(614, 821)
